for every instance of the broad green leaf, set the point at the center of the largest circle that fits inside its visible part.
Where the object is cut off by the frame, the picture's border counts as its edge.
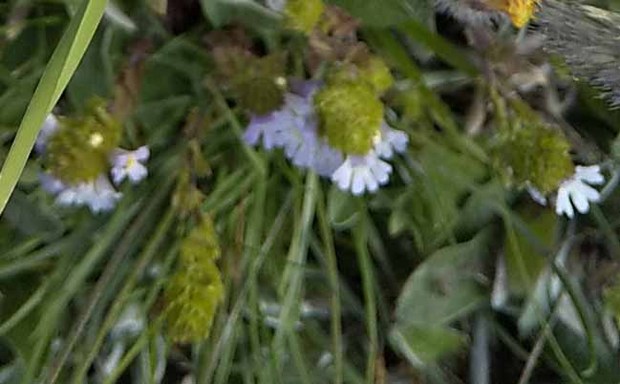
(424, 344)
(444, 287)
(341, 209)
(432, 203)
(481, 207)
(527, 255)
(57, 74)
(383, 13)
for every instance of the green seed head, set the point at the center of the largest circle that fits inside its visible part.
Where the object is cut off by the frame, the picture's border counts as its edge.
(261, 83)
(351, 114)
(78, 151)
(377, 74)
(536, 155)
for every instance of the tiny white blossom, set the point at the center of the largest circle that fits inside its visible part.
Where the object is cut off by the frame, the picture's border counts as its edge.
(576, 191)
(49, 127)
(359, 174)
(390, 140)
(99, 195)
(129, 164)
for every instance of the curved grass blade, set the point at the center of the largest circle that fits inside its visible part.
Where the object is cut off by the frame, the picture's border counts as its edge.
(58, 72)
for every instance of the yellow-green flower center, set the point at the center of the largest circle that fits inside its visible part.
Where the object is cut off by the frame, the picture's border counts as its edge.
(350, 115)
(78, 151)
(536, 155)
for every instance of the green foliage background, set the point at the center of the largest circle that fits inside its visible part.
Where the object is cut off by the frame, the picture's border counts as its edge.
(319, 286)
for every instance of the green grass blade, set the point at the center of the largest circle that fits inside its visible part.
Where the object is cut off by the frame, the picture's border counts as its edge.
(57, 74)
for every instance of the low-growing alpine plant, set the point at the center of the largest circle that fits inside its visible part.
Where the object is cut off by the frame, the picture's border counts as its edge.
(288, 191)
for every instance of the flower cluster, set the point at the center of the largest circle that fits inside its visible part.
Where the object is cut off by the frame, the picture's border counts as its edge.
(79, 153)
(550, 171)
(337, 130)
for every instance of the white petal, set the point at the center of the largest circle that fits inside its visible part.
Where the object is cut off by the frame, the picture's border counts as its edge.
(588, 192)
(359, 185)
(381, 171)
(137, 172)
(342, 176)
(142, 154)
(118, 174)
(579, 200)
(252, 134)
(591, 174)
(50, 125)
(371, 182)
(563, 204)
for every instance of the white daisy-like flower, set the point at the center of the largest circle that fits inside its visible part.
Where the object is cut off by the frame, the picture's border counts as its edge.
(129, 164)
(576, 191)
(49, 127)
(390, 140)
(360, 174)
(99, 195)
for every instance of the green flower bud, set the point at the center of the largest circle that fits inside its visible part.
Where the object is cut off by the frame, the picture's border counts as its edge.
(261, 84)
(303, 15)
(536, 155)
(78, 151)
(261, 95)
(351, 114)
(377, 74)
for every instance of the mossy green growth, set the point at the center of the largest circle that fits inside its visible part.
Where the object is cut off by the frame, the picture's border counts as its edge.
(261, 84)
(78, 152)
(303, 15)
(194, 292)
(350, 113)
(375, 72)
(536, 155)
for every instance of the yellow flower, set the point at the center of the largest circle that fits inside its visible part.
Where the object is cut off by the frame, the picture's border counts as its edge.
(519, 11)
